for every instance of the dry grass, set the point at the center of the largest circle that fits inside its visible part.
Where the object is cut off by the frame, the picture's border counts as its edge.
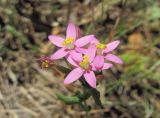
(128, 91)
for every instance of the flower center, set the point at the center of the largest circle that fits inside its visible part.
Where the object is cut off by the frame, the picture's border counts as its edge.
(69, 43)
(101, 46)
(45, 64)
(85, 63)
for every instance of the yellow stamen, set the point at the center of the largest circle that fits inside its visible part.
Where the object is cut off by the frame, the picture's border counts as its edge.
(85, 64)
(101, 46)
(69, 40)
(69, 43)
(45, 64)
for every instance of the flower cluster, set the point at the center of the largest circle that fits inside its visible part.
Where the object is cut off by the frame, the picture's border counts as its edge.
(86, 54)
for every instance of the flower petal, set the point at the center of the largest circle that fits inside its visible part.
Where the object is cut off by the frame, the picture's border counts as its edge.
(114, 58)
(107, 66)
(93, 67)
(81, 50)
(98, 62)
(94, 41)
(59, 54)
(56, 40)
(73, 75)
(90, 78)
(84, 40)
(91, 52)
(111, 46)
(71, 61)
(76, 56)
(71, 31)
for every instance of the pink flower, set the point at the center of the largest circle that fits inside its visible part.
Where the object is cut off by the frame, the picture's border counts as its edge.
(103, 52)
(71, 44)
(84, 66)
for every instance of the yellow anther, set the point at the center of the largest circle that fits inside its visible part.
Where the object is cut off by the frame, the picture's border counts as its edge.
(101, 46)
(45, 64)
(86, 58)
(46, 61)
(85, 64)
(68, 41)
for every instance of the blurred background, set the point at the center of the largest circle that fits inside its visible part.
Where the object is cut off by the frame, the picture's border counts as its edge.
(131, 90)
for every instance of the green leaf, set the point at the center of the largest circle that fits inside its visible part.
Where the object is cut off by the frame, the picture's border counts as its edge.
(85, 95)
(68, 99)
(96, 96)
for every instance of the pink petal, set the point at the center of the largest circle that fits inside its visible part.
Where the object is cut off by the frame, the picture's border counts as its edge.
(59, 54)
(93, 67)
(98, 62)
(71, 31)
(56, 40)
(76, 56)
(81, 50)
(73, 75)
(95, 41)
(71, 61)
(90, 78)
(114, 58)
(91, 52)
(111, 46)
(84, 40)
(107, 66)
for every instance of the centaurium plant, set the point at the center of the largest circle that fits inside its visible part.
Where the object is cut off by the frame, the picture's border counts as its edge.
(69, 45)
(87, 56)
